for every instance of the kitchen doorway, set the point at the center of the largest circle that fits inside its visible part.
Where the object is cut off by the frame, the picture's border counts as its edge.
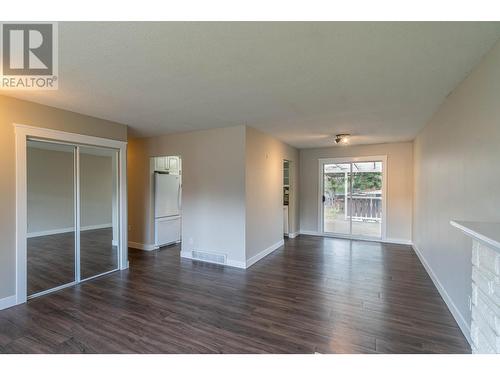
(352, 197)
(286, 197)
(167, 196)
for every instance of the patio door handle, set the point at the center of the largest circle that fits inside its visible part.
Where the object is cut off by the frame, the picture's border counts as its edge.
(323, 198)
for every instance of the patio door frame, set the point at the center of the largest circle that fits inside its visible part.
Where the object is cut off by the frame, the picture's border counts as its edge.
(349, 160)
(24, 133)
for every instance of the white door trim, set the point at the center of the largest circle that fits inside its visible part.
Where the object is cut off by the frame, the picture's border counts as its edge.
(22, 132)
(323, 161)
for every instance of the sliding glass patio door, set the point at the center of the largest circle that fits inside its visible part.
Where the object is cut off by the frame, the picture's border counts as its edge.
(336, 192)
(72, 226)
(352, 197)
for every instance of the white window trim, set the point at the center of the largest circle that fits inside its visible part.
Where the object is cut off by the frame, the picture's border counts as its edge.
(22, 132)
(322, 162)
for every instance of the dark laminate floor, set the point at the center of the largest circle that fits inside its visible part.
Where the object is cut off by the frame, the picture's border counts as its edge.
(313, 295)
(51, 259)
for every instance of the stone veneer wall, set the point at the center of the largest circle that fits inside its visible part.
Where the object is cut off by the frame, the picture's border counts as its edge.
(485, 325)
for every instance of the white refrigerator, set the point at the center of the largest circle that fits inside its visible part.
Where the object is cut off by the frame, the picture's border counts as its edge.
(167, 208)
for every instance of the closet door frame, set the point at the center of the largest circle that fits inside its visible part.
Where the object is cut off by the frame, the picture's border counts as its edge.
(22, 134)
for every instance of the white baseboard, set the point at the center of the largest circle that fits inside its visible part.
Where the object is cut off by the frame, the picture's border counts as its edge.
(142, 246)
(397, 241)
(67, 230)
(264, 253)
(235, 263)
(229, 262)
(167, 244)
(462, 323)
(186, 254)
(293, 235)
(310, 233)
(98, 226)
(7, 302)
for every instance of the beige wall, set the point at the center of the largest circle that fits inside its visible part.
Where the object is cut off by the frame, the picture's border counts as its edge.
(457, 176)
(399, 184)
(19, 111)
(213, 192)
(232, 190)
(264, 190)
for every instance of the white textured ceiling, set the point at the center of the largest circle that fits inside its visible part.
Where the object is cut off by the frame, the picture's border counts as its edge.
(301, 82)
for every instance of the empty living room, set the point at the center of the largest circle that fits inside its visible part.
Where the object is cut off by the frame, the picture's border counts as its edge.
(287, 186)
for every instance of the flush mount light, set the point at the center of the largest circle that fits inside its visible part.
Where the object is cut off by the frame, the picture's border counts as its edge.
(342, 139)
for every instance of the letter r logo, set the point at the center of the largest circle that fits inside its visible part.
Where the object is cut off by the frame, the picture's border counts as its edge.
(27, 49)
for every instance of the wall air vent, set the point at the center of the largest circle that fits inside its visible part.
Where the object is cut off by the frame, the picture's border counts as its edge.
(209, 257)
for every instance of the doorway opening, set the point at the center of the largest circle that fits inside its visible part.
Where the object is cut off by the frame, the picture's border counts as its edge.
(352, 197)
(167, 196)
(286, 197)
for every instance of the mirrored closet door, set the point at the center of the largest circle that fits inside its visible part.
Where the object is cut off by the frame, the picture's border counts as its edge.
(51, 231)
(72, 211)
(98, 211)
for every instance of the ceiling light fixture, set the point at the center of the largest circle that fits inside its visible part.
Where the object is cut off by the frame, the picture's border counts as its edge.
(342, 139)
